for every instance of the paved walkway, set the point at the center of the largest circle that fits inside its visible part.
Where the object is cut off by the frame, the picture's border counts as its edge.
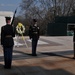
(54, 57)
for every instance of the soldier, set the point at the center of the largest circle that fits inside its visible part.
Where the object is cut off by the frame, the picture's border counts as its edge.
(34, 35)
(7, 34)
(72, 28)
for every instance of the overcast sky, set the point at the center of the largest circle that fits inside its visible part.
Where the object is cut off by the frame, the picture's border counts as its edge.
(9, 5)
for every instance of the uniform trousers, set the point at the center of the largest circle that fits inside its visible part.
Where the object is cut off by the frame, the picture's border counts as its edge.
(34, 45)
(74, 50)
(8, 56)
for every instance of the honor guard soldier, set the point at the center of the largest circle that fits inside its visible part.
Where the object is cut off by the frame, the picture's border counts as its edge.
(34, 36)
(7, 42)
(72, 28)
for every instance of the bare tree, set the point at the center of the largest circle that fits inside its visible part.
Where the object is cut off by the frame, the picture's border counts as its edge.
(46, 10)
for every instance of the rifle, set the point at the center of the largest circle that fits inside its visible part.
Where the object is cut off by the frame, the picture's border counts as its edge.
(13, 17)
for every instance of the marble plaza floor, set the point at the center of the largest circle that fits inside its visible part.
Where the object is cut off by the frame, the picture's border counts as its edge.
(54, 57)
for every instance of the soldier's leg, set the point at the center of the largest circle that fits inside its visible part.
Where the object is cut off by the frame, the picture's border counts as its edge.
(74, 50)
(5, 56)
(8, 57)
(34, 45)
(10, 49)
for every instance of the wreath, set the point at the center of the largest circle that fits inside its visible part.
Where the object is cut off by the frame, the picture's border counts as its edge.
(20, 28)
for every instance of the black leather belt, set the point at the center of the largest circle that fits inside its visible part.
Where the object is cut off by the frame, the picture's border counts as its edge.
(8, 36)
(35, 32)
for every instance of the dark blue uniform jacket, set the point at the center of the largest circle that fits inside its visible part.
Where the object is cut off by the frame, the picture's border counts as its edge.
(7, 34)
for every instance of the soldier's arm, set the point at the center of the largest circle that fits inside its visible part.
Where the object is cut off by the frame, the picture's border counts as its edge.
(14, 30)
(38, 32)
(30, 32)
(2, 35)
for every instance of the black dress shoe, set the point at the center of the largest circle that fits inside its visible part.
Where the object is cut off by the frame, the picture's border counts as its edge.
(73, 57)
(7, 67)
(34, 54)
